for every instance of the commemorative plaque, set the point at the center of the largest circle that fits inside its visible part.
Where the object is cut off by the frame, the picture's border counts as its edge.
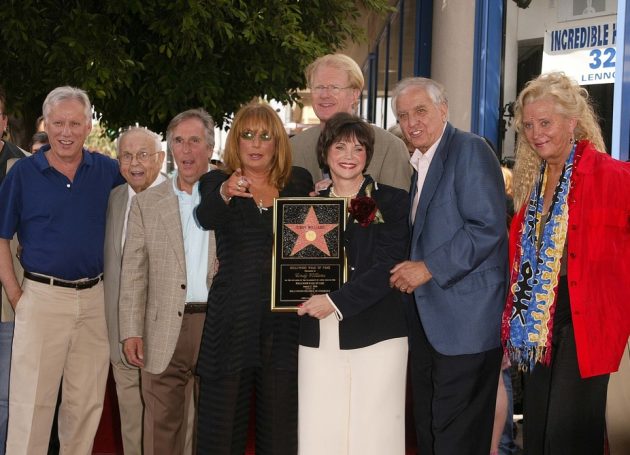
(308, 253)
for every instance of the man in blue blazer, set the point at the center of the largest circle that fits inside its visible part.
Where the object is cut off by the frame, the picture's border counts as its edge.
(456, 273)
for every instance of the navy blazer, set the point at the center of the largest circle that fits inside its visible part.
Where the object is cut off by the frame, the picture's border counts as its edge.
(372, 311)
(459, 232)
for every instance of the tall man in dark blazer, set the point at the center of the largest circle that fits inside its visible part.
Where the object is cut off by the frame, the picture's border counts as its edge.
(456, 274)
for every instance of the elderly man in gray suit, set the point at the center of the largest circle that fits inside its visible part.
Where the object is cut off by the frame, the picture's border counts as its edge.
(167, 269)
(140, 156)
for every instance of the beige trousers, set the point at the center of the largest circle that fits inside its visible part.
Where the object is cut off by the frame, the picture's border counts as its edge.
(351, 402)
(59, 332)
(618, 407)
(130, 405)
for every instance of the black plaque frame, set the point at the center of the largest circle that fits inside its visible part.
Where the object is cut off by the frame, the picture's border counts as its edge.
(296, 275)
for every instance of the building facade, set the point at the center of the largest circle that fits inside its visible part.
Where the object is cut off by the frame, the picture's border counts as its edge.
(485, 51)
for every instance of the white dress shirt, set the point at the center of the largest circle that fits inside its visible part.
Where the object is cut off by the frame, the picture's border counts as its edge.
(159, 179)
(421, 162)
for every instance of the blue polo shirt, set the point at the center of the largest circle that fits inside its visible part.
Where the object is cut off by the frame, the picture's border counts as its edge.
(60, 223)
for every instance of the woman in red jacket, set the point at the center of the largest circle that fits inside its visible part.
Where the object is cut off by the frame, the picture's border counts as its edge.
(566, 319)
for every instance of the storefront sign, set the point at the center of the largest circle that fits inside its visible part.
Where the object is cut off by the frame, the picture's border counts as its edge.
(585, 52)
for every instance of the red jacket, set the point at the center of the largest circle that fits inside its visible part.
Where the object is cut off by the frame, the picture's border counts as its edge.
(598, 270)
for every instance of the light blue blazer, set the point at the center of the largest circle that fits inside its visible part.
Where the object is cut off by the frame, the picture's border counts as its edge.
(460, 233)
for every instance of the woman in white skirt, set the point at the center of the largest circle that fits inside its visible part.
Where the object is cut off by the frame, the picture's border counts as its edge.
(353, 341)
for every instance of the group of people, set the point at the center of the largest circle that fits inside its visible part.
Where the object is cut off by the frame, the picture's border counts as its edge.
(169, 279)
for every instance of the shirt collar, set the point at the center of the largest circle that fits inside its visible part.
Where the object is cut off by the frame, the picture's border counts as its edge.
(183, 194)
(418, 156)
(41, 162)
(159, 179)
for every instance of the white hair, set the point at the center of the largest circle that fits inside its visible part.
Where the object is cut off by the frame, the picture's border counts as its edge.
(139, 129)
(67, 93)
(435, 90)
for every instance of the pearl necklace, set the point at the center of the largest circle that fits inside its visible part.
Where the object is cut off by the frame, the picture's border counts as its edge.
(349, 196)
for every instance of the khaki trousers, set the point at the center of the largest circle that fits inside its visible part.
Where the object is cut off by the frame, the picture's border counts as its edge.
(618, 407)
(351, 402)
(168, 396)
(130, 405)
(59, 332)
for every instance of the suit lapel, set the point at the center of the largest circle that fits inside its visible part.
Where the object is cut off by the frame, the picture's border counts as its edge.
(412, 194)
(431, 182)
(173, 224)
(119, 205)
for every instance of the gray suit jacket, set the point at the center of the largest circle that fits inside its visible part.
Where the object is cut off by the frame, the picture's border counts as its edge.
(389, 164)
(153, 277)
(116, 209)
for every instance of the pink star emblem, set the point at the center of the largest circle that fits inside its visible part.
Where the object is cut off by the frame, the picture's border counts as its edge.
(311, 232)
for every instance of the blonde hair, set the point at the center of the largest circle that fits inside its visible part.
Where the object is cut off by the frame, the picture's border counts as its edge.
(507, 180)
(571, 101)
(260, 116)
(341, 62)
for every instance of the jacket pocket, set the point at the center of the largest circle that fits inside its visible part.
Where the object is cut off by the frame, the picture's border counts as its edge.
(480, 280)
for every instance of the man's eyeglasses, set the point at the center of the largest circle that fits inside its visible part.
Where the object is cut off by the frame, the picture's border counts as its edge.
(334, 89)
(141, 157)
(250, 135)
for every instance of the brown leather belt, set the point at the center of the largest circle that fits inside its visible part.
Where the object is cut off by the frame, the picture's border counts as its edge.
(78, 285)
(194, 308)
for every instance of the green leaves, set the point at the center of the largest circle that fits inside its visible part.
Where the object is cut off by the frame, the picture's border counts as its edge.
(145, 61)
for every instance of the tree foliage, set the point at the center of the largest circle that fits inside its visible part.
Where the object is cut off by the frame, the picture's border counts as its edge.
(143, 61)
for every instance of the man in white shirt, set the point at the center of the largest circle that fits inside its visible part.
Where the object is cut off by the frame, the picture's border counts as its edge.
(140, 156)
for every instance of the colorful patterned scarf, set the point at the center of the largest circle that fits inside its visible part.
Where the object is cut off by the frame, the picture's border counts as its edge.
(534, 281)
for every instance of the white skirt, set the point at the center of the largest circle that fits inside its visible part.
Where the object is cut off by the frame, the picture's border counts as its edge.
(351, 402)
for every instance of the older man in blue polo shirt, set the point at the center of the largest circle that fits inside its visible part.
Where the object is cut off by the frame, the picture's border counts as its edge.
(56, 201)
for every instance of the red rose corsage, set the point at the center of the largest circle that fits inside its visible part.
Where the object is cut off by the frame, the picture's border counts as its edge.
(364, 209)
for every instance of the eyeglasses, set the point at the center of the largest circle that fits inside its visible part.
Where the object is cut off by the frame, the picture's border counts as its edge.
(250, 135)
(141, 157)
(334, 89)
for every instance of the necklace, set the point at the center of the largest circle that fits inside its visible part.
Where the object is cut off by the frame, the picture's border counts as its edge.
(349, 196)
(261, 207)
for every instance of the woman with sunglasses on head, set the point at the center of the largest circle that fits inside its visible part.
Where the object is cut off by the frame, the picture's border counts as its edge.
(245, 346)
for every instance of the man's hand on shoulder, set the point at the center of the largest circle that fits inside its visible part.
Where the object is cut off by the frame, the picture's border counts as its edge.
(408, 275)
(133, 348)
(320, 186)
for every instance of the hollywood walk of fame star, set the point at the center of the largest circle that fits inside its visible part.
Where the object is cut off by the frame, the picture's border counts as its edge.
(311, 232)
